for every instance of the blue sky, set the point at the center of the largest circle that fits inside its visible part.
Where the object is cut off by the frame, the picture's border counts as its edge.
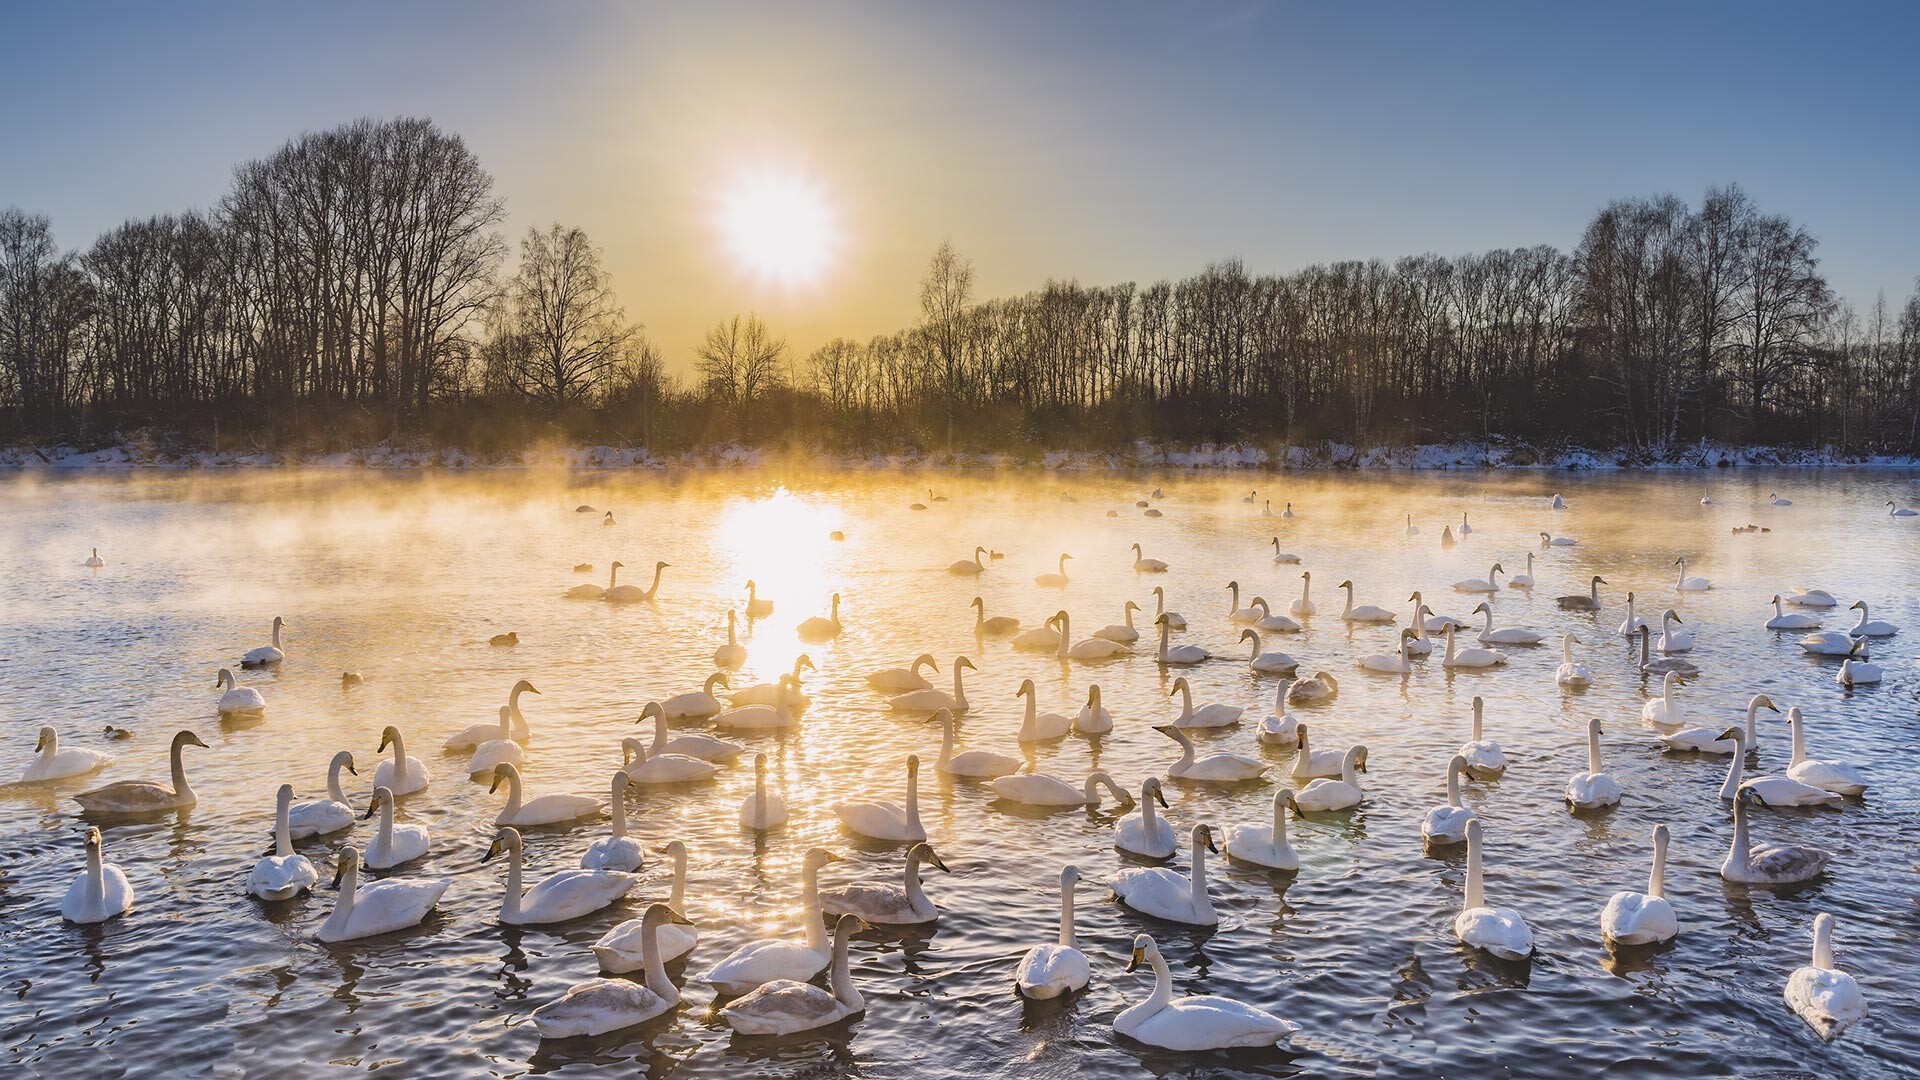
(1103, 141)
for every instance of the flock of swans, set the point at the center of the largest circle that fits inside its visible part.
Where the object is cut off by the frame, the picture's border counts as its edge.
(771, 984)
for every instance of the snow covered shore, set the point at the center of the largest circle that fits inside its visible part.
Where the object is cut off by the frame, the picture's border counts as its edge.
(139, 454)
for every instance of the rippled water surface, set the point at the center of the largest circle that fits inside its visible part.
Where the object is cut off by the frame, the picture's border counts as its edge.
(404, 578)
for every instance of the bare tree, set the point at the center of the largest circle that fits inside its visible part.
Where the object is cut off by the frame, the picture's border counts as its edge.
(573, 335)
(740, 363)
(944, 295)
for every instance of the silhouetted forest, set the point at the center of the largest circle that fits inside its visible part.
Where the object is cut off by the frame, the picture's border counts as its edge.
(358, 284)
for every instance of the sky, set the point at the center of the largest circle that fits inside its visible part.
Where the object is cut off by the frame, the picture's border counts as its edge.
(1102, 141)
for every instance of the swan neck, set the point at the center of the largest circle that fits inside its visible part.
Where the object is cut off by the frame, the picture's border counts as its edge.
(1162, 985)
(656, 969)
(1656, 880)
(1028, 722)
(915, 895)
(1199, 875)
(1453, 782)
(660, 732)
(617, 806)
(513, 798)
(1473, 897)
(1740, 839)
(1799, 739)
(349, 886)
(810, 908)
(1593, 750)
(334, 791)
(96, 876)
(841, 978)
(180, 769)
(1066, 916)
(1731, 789)
(282, 829)
(655, 587)
(385, 835)
(1279, 822)
(959, 687)
(1823, 944)
(1148, 815)
(1863, 616)
(677, 896)
(510, 904)
(946, 743)
(913, 803)
(1480, 707)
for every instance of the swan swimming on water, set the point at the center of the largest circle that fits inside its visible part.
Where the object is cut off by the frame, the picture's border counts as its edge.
(763, 809)
(617, 850)
(631, 594)
(1052, 970)
(266, 655)
(1767, 864)
(1037, 726)
(623, 948)
(816, 629)
(1145, 833)
(1484, 758)
(929, 701)
(281, 875)
(1039, 789)
(1168, 894)
(732, 654)
(1796, 621)
(970, 764)
(1689, 584)
(558, 897)
(882, 903)
(1210, 715)
(540, 810)
(1195, 1022)
(52, 763)
(404, 774)
(782, 957)
(95, 562)
(878, 820)
(1056, 580)
(1632, 918)
(1824, 996)
(238, 699)
(1707, 740)
(998, 626)
(496, 750)
(145, 796)
(1594, 789)
(1498, 930)
(318, 817)
(598, 1006)
(393, 844)
(1181, 655)
(1266, 846)
(784, 1006)
(381, 907)
(1769, 790)
(472, 737)
(1328, 794)
(704, 747)
(1839, 777)
(899, 680)
(1447, 823)
(100, 892)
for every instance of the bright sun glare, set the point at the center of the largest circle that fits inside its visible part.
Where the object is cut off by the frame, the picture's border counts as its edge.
(778, 225)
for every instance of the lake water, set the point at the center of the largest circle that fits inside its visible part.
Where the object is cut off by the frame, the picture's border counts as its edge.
(403, 578)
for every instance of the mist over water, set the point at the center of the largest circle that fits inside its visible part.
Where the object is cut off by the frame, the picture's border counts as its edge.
(404, 577)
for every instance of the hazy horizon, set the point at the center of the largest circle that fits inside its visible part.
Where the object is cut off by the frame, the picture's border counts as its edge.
(1078, 141)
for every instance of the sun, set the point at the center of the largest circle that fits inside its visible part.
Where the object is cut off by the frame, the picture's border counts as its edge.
(779, 226)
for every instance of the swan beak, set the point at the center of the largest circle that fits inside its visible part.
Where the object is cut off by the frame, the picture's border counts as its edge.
(941, 864)
(493, 850)
(531, 690)
(371, 807)
(349, 764)
(495, 786)
(194, 740)
(675, 917)
(1164, 729)
(1159, 798)
(385, 741)
(1211, 846)
(1293, 803)
(40, 744)
(1138, 955)
(339, 872)
(1772, 706)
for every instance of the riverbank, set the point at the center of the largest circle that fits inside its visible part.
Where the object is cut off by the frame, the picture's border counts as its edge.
(142, 454)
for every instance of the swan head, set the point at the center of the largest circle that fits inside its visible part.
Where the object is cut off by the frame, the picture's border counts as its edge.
(1159, 620)
(654, 708)
(1180, 686)
(505, 773)
(93, 839)
(1150, 789)
(1245, 634)
(662, 565)
(47, 735)
(1136, 550)
(1300, 735)
(1733, 734)
(188, 738)
(222, 679)
(962, 662)
(380, 795)
(618, 565)
(913, 766)
(524, 687)
(1343, 585)
(944, 718)
(927, 659)
(1143, 949)
(980, 603)
(506, 841)
(1569, 639)
(1857, 605)
(1026, 689)
(1762, 701)
(1130, 606)
(1497, 569)
(1483, 607)
(343, 862)
(924, 853)
(1203, 835)
(658, 915)
(1069, 876)
(279, 623)
(1456, 766)
(674, 849)
(819, 857)
(804, 661)
(1593, 727)
(1093, 695)
(1359, 756)
(1234, 585)
(388, 736)
(1672, 614)
(1306, 575)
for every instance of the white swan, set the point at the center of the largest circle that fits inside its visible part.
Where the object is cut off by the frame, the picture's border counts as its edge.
(560, 896)
(1144, 565)
(782, 957)
(1824, 996)
(623, 948)
(1796, 621)
(1266, 846)
(784, 1006)
(1037, 726)
(1174, 618)
(1197, 1021)
(1393, 663)
(1632, 623)
(1707, 740)
(817, 629)
(1550, 540)
(473, 736)
(642, 766)
(1056, 580)
(934, 700)
(616, 850)
(94, 561)
(1632, 918)
(1770, 790)
(1557, 503)
(1497, 930)
(969, 567)
(1094, 648)
(52, 763)
(1476, 585)
(1510, 635)
(1674, 664)
(1039, 789)
(266, 655)
(763, 809)
(1288, 512)
(1447, 823)
(145, 796)
(1893, 510)
(633, 594)
(1168, 894)
(1093, 718)
(883, 903)
(1265, 619)
(732, 654)
(899, 680)
(1052, 970)
(403, 774)
(382, 907)
(1309, 763)
(1595, 788)
(1321, 686)
(1182, 655)
(704, 747)
(1325, 795)
(997, 626)
(1525, 580)
(1211, 715)
(1304, 607)
(1042, 638)
(1366, 613)
(1587, 601)
(598, 1006)
(756, 607)
(238, 699)
(1124, 631)
(541, 809)
(1776, 500)
(1236, 613)
(1470, 657)
(1274, 663)
(1665, 710)
(393, 844)
(786, 688)
(1813, 598)
(1689, 584)
(1485, 759)
(1837, 776)
(496, 750)
(1856, 669)
(1767, 864)
(757, 717)
(318, 817)
(1412, 529)
(1283, 557)
(100, 892)
(1146, 834)
(1867, 627)
(878, 820)
(1827, 643)
(969, 764)
(1671, 640)
(595, 592)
